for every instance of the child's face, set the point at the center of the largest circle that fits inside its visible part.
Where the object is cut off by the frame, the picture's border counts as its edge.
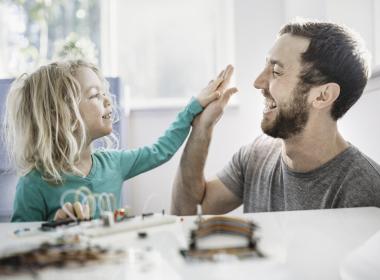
(95, 106)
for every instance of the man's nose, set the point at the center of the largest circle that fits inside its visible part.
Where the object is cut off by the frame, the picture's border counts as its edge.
(261, 81)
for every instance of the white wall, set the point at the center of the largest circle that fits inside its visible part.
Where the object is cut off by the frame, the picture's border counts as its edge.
(359, 125)
(256, 26)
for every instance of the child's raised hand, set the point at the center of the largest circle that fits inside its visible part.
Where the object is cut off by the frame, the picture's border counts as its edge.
(81, 212)
(215, 87)
(210, 115)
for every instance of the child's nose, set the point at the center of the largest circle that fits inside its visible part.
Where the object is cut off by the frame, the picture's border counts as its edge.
(107, 100)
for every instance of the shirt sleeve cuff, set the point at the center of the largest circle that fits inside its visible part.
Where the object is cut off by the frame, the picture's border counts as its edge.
(194, 106)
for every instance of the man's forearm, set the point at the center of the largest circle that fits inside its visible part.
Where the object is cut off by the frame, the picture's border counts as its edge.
(189, 184)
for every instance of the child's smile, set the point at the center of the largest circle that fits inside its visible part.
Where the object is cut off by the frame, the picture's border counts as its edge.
(95, 106)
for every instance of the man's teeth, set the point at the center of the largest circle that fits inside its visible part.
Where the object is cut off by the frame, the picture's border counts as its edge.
(269, 105)
(108, 116)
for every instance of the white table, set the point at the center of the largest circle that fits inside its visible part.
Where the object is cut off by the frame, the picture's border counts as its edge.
(299, 244)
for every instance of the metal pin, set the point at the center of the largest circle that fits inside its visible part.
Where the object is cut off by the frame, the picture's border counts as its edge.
(199, 213)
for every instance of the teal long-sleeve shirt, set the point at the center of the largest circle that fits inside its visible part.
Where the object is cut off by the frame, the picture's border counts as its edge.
(37, 200)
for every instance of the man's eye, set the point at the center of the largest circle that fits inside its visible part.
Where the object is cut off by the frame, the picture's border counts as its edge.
(275, 73)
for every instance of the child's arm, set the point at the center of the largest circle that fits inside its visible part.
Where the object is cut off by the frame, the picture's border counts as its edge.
(136, 161)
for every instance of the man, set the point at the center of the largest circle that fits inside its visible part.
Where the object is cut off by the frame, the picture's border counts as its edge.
(313, 74)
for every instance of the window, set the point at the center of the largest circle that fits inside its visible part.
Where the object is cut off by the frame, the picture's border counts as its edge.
(374, 82)
(165, 51)
(168, 50)
(37, 31)
(376, 33)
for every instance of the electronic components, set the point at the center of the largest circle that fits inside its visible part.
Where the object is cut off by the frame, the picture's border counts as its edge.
(222, 225)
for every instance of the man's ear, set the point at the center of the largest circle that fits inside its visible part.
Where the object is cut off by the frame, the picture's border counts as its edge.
(324, 95)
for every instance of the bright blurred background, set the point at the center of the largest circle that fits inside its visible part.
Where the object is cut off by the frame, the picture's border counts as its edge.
(165, 51)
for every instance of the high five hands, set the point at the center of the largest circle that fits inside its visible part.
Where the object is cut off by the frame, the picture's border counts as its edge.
(215, 97)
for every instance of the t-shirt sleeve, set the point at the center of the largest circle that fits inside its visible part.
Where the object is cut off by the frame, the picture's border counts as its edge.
(29, 204)
(360, 189)
(232, 175)
(136, 161)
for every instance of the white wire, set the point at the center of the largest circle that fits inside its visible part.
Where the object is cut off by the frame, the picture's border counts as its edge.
(84, 196)
(104, 197)
(113, 201)
(62, 202)
(88, 199)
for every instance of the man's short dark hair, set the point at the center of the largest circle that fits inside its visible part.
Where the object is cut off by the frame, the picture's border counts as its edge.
(335, 54)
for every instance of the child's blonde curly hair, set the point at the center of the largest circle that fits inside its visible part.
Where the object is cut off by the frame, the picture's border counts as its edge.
(43, 127)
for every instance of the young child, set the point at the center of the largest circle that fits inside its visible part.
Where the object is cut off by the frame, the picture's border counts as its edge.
(52, 117)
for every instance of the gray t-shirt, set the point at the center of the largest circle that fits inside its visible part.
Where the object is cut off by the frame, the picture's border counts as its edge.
(258, 175)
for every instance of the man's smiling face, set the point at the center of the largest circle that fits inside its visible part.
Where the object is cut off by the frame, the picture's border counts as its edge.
(286, 110)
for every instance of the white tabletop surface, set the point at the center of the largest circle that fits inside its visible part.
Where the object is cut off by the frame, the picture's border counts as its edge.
(299, 245)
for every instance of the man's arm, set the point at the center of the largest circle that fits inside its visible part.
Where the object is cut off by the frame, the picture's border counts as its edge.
(190, 187)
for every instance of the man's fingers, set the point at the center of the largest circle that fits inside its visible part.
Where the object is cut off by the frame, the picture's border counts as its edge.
(229, 71)
(231, 91)
(221, 74)
(215, 95)
(78, 209)
(227, 94)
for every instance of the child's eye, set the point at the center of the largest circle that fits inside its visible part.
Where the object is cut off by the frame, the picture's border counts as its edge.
(97, 95)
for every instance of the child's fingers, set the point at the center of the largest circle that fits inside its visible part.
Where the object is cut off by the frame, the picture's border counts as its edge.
(226, 78)
(86, 211)
(215, 87)
(60, 215)
(78, 209)
(213, 96)
(68, 209)
(215, 84)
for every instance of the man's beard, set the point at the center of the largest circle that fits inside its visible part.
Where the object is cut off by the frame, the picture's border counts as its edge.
(291, 118)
